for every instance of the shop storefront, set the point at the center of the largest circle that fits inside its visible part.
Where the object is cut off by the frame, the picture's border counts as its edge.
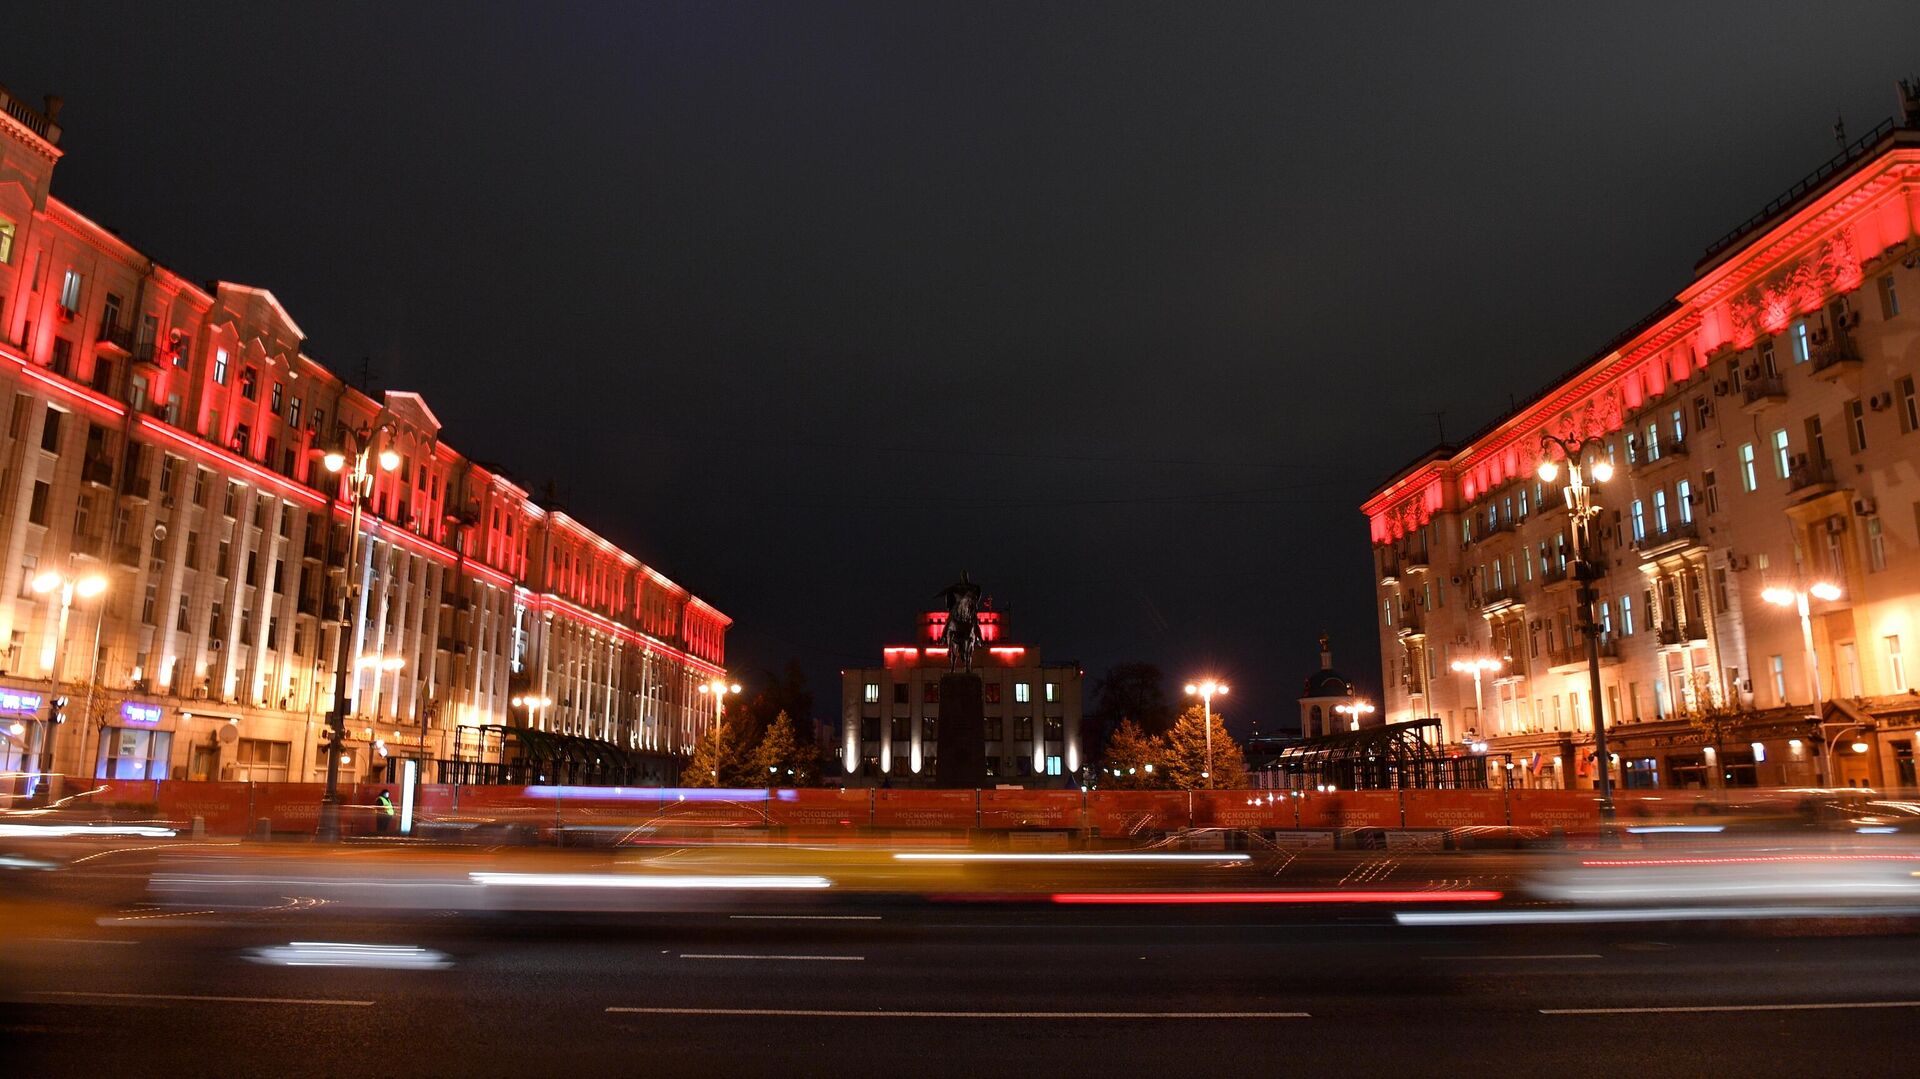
(134, 747)
(23, 732)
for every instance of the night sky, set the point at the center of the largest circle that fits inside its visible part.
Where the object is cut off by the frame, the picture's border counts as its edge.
(1122, 308)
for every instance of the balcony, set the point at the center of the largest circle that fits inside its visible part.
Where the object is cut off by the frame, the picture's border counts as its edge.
(1574, 656)
(1810, 477)
(1763, 392)
(1657, 455)
(94, 547)
(1836, 357)
(97, 471)
(136, 488)
(127, 554)
(1410, 624)
(1389, 571)
(1415, 561)
(1675, 634)
(1679, 537)
(1499, 599)
(115, 338)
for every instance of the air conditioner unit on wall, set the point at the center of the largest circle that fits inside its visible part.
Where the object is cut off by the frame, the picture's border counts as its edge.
(1721, 387)
(1880, 402)
(1864, 507)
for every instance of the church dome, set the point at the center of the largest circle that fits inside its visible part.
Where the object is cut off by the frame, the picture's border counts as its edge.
(1327, 683)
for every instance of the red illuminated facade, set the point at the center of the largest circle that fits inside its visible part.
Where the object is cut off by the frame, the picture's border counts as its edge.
(1762, 427)
(165, 434)
(890, 714)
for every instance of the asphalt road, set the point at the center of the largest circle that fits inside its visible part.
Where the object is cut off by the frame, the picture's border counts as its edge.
(896, 986)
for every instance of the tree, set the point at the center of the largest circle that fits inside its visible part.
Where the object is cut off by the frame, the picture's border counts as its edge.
(1713, 717)
(786, 692)
(1139, 758)
(1133, 691)
(1187, 753)
(723, 761)
(786, 758)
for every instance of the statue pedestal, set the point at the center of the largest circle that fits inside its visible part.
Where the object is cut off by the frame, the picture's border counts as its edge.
(962, 763)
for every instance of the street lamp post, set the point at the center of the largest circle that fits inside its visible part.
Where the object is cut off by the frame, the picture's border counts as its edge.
(1353, 710)
(1475, 667)
(1205, 691)
(719, 688)
(1797, 599)
(1581, 510)
(358, 483)
(85, 587)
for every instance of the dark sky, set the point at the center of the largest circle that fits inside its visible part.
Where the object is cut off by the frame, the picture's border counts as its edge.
(1122, 308)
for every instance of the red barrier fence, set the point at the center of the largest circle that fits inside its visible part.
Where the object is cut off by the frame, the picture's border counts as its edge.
(294, 808)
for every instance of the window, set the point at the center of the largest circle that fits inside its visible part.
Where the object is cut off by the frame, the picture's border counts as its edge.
(1782, 457)
(1683, 501)
(872, 695)
(148, 603)
(1022, 692)
(6, 240)
(70, 291)
(1710, 487)
(1679, 425)
(1749, 478)
(180, 620)
(1660, 511)
(276, 398)
(1720, 589)
(1626, 615)
(1909, 407)
(193, 550)
(50, 432)
(1053, 692)
(231, 501)
(1639, 520)
(167, 466)
(28, 566)
(1856, 426)
(1766, 358)
(1889, 299)
(293, 412)
(257, 760)
(37, 506)
(200, 487)
(1876, 546)
(220, 366)
(1778, 664)
(1653, 440)
(1702, 412)
(223, 561)
(1802, 347)
(249, 383)
(1896, 663)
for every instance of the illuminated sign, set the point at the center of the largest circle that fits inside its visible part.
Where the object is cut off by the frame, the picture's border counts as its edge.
(15, 703)
(145, 714)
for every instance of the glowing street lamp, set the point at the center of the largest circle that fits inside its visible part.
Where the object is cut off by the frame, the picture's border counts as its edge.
(86, 587)
(718, 688)
(1474, 667)
(1581, 510)
(1353, 710)
(1205, 691)
(349, 461)
(1797, 599)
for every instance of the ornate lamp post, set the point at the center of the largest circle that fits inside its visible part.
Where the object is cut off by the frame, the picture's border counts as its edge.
(357, 484)
(1797, 599)
(1205, 691)
(719, 688)
(1353, 710)
(1581, 510)
(85, 587)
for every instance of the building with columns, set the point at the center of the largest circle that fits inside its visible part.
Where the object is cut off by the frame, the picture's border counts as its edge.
(1762, 428)
(164, 436)
(890, 714)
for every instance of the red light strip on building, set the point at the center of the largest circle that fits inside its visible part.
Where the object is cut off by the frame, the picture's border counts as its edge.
(1206, 898)
(103, 403)
(548, 601)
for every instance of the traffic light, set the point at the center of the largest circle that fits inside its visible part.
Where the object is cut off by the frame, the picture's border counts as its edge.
(59, 709)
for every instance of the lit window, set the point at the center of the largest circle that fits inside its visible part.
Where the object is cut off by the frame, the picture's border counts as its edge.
(70, 291)
(1660, 511)
(873, 693)
(1779, 667)
(1683, 501)
(1749, 478)
(1782, 459)
(1896, 664)
(1802, 347)
(1626, 615)
(1909, 406)
(1876, 546)
(1639, 520)
(220, 366)
(1022, 692)
(1856, 426)
(1053, 692)
(1889, 299)
(6, 240)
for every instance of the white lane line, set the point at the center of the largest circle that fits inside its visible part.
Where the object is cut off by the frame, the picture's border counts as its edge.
(1563, 957)
(796, 958)
(189, 996)
(1735, 1008)
(824, 1013)
(805, 917)
(79, 940)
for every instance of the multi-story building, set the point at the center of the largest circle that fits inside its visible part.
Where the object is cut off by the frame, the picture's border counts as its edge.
(1763, 429)
(165, 437)
(890, 714)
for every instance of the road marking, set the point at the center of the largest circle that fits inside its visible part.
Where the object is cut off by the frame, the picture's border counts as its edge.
(795, 958)
(1641, 914)
(1734, 1008)
(823, 1013)
(1565, 957)
(805, 917)
(207, 999)
(79, 940)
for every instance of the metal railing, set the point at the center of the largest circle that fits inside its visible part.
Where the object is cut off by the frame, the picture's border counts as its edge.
(1807, 183)
(1811, 472)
